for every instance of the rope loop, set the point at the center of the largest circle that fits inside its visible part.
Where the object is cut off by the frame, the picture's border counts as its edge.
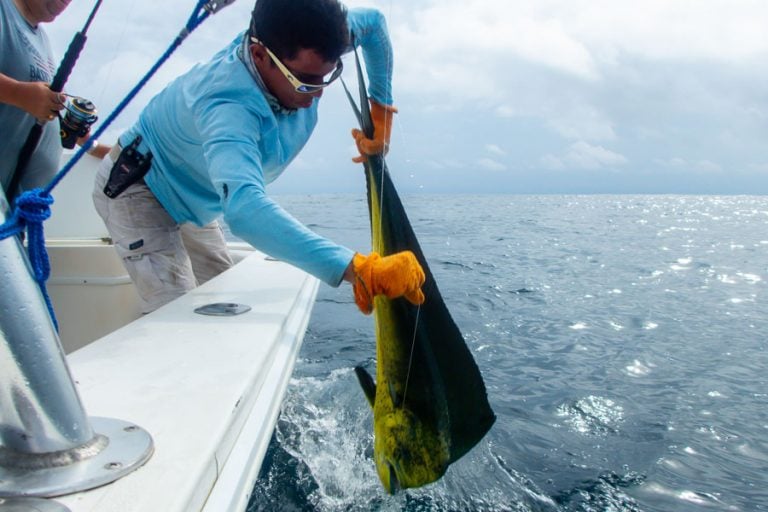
(33, 207)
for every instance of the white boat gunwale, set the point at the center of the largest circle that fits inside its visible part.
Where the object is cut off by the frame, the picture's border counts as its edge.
(208, 389)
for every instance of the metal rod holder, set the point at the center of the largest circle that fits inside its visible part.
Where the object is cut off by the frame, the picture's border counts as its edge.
(48, 445)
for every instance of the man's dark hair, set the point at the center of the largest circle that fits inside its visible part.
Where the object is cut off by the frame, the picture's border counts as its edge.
(287, 26)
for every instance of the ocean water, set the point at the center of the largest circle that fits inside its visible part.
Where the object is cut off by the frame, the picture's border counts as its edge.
(622, 340)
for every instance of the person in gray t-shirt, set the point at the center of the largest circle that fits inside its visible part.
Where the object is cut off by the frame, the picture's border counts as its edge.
(26, 68)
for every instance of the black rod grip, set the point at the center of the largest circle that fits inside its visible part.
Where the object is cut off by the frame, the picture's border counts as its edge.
(70, 58)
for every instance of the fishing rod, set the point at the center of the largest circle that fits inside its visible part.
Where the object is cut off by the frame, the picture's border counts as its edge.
(61, 77)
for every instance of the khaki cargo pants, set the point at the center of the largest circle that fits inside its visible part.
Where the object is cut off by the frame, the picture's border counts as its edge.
(164, 259)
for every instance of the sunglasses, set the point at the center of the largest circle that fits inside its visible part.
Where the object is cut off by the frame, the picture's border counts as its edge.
(297, 84)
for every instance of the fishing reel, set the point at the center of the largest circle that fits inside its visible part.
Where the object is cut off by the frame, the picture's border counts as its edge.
(79, 115)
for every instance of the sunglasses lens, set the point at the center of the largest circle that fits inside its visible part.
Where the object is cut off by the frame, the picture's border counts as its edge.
(310, 88)
(306, 88)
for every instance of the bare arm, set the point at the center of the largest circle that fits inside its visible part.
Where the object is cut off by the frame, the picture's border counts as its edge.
(34, 98)
(349, 274)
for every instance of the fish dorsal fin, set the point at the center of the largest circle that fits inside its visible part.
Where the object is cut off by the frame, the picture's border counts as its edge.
(367, 383)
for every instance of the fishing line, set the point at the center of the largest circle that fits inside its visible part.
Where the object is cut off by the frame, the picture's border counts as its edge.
(118, 47)
(390, 69)
(363, 115)
(390, 66)
(410, 358)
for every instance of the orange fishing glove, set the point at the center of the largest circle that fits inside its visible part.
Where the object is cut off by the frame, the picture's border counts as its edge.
(381, 115)
(397, 275)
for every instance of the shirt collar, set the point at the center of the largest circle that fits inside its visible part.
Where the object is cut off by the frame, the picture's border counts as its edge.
(244, 54)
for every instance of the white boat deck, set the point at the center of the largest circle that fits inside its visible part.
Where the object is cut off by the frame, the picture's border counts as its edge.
(207, 388)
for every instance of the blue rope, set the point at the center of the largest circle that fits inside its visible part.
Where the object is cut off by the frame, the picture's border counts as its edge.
(32, 207)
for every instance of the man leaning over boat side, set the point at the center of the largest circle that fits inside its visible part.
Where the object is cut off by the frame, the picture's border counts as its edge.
(206, 146)
(27, 67)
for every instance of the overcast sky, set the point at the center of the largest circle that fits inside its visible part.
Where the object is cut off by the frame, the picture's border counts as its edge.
(513, 96)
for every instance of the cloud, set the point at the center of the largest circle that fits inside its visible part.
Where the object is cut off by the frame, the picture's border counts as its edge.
(491, 164)
(582, 122)
(676, 85)
(475, 46)
(707, 166)
(552, 162)
(678, 163)
(446, 164)
(599, 72)
(761, 168)
(672, 162)
(582, 155)
(480, 39)
(719, 30)
(506, 111)
(303, 163)
(494, 149)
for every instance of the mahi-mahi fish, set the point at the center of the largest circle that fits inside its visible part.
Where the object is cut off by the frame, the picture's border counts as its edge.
(429, 400)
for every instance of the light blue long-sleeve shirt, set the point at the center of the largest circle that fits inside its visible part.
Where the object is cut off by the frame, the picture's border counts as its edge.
(216, 143)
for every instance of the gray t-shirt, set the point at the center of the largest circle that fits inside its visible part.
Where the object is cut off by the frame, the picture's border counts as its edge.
(25, 55)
